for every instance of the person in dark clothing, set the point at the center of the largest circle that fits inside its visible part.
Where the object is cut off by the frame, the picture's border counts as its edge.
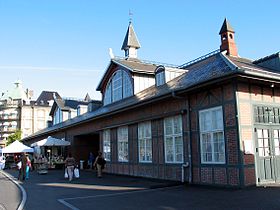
(100, 164)
(90, 160)
(70, 164)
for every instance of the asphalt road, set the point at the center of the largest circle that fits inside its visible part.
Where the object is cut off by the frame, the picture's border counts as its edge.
(52, 191)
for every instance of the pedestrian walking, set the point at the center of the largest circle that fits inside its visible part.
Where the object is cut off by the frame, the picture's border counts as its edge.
(69, 165)
(90, 160)
(100, 164)
(28, 167)
(23, 167)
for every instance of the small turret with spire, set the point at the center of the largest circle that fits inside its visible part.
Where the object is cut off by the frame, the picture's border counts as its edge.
(227, 39)
(130, 43)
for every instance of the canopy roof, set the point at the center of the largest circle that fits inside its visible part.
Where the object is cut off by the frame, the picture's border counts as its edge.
(50, 141)
(17, 147)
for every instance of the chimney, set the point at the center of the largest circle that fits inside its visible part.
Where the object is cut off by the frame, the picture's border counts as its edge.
(227, 39)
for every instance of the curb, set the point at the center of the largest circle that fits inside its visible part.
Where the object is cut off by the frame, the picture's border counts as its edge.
(23, 193)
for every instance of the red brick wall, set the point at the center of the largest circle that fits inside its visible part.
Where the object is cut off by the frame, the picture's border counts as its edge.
(250, 176)
(220, 176)
(221, 95)
(233, 176)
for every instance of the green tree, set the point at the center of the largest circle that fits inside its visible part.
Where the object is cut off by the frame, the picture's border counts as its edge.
(16, 136)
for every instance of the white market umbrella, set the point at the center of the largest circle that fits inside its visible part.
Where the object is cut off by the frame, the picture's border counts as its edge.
(17, 147)
(50, 141)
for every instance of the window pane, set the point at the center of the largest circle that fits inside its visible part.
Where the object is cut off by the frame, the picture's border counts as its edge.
(107, 145)
(173, 139)
(127, 87)
(108, 94)
(144, 142)
(169, 154)
(168, 126)
(123, 144)
(117, 86)
(177, 125)
(212, 136)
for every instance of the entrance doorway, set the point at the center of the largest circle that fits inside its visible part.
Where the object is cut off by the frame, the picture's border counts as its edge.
(267, 142)
(84, 144)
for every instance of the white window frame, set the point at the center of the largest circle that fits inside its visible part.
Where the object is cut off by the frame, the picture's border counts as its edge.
(118, 87)
(160, 78)
(145, 136)
(123, 144)
(209, 127)
(107, 144)
(173, 136)
(58, 116)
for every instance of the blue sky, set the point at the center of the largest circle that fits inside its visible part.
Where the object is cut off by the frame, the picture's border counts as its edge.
(62, 45)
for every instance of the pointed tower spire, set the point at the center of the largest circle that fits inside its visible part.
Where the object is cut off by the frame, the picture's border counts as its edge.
(130, 43)
(227, 39)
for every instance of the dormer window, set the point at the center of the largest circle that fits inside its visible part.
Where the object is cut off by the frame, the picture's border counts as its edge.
(118, 87)
(160, 76)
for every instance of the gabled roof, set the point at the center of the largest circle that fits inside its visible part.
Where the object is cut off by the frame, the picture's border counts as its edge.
(132, 65)
(205, 71)
(46, 96)
(226, 27)
(87, 98)
(130, 39)
(66, 104)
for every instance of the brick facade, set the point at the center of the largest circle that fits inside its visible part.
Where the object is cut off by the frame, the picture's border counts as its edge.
(237, 171)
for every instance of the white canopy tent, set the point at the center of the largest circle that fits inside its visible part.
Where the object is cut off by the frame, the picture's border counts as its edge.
(50, 141)
(17, 147)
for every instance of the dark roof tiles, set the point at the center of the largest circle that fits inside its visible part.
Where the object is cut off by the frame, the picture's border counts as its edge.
(46, 96)
(130, 39)
(214, 67)
(226, 27)
(136, 65)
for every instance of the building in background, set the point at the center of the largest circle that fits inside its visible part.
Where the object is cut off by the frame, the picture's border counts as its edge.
(19, 112)
(67, 108)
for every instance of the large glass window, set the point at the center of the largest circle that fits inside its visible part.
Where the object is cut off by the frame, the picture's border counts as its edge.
(173, 139)
(123, 144)
(212, 143)
(107, 145)
(160, 78)
(58, 116)
(118, 87)
(145, 142)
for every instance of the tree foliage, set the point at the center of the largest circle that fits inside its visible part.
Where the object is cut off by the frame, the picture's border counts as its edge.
(15, 136)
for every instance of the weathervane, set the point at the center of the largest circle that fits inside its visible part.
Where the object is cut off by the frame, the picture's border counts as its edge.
(130, 15)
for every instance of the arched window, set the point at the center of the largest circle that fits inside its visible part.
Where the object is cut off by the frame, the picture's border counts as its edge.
(160, 75)
(118, 87)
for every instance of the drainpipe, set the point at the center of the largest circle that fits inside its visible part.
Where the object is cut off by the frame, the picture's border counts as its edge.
(187, 164)
(183, 171)
(189, 143)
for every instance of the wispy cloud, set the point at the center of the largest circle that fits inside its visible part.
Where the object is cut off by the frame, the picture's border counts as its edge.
(40, 68)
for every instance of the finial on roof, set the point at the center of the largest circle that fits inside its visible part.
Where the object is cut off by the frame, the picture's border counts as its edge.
(17, 83)
(130, 16)
(111, 53)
